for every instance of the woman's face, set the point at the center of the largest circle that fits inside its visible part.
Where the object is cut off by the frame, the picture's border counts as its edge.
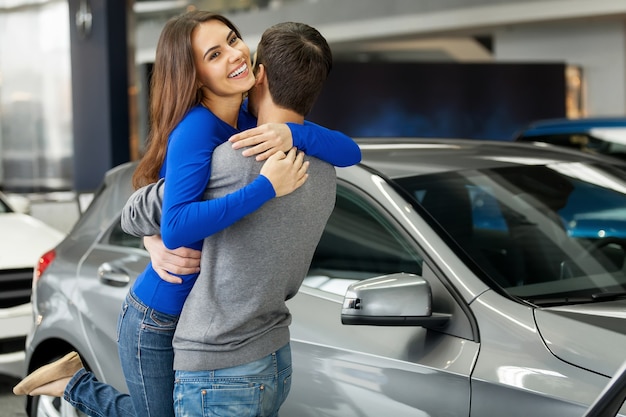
(222, 60)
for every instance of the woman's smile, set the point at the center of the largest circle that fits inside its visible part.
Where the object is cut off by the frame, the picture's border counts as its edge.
(242, 70)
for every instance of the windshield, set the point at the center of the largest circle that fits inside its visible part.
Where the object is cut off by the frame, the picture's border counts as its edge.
(549, 234)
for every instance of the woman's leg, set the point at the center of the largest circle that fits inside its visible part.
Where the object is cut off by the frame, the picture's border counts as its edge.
(67, 378)
(95, 398)
(145, 349)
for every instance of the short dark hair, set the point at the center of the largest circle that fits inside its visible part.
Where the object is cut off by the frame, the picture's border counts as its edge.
(297, 61)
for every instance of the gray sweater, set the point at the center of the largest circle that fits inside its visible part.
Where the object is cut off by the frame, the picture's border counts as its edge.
(236, 312)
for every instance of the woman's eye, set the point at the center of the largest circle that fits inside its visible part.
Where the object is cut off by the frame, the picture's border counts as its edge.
(214, 55)
(233, 40)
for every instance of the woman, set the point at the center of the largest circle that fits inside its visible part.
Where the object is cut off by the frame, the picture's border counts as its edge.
(189, 119)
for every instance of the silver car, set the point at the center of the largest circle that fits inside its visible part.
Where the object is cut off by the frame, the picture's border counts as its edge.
(454, 278)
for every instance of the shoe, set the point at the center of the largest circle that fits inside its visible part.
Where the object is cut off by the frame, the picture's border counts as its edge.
(53, 389)
(65, 367)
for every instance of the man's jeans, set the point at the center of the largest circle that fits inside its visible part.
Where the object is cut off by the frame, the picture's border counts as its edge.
(255, 389)
(145, 348)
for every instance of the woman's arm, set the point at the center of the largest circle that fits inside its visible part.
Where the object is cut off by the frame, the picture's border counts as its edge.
(328, 145)
(188, 219)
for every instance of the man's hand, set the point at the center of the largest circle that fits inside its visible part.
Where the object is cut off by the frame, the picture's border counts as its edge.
(286, 172)
(264, 140)
(166, 262)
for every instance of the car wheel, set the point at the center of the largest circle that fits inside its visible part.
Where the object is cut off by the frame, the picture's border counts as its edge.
(46, 406)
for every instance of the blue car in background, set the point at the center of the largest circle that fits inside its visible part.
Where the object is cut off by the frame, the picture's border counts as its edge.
(590, 213)
(601, 135)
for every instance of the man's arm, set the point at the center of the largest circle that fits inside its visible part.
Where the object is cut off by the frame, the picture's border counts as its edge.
(166, 262)
(141, 216)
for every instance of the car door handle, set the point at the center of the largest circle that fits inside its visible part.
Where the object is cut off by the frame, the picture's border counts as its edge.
(110, 275)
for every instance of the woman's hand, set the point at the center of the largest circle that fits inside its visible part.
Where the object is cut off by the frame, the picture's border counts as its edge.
(264, 140)
(165, 262)
(286, 172)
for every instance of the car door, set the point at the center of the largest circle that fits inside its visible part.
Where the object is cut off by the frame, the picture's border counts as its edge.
(105, 276)
(345, 370)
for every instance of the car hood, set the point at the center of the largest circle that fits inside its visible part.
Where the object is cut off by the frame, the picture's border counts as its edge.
(24, 239)
(590, 336)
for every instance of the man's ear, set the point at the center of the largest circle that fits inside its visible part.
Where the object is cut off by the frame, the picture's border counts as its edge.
(260, 75)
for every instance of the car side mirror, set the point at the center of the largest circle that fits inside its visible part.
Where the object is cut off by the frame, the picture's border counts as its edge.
(391, 300)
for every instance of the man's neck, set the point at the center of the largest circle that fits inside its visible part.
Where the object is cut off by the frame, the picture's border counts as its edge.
(275, 114)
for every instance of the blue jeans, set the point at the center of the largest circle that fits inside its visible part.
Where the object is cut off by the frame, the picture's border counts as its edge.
(255, 389)
(145, 349)
(97, 399)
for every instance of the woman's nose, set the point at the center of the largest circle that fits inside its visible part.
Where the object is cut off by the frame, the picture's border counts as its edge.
(236, 55)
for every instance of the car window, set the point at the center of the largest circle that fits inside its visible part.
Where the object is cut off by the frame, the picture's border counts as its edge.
(359, 242)
(119, 237)
(550, 233)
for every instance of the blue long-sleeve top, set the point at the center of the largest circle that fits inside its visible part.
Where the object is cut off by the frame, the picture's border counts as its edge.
(187, 219)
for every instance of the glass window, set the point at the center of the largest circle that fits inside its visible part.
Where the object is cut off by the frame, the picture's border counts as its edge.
(119, 237)
(359, 242)
(36, 138)
(541, 232)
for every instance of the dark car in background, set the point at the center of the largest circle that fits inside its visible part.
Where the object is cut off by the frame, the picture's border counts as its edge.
(452, 279)
(602, 135)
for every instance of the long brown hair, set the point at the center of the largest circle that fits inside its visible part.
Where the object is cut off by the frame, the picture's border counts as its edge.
(173, 90)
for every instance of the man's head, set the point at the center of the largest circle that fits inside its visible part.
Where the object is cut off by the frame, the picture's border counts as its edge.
(296, 60)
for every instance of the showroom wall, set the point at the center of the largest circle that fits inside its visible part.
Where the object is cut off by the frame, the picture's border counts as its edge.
(598, 47)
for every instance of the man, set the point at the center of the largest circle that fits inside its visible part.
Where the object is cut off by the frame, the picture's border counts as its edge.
(233, 332)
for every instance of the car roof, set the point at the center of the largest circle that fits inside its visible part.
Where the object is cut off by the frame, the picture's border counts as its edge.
(402, 157)
(568, 126)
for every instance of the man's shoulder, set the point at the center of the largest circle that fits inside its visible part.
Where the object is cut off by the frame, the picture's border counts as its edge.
(320, 165)
(225, 154)
(321, 183)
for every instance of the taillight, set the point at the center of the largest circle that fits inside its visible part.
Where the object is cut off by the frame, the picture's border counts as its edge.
(43, 263)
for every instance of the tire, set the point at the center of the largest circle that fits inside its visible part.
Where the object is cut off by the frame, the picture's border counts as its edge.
(46, 406)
